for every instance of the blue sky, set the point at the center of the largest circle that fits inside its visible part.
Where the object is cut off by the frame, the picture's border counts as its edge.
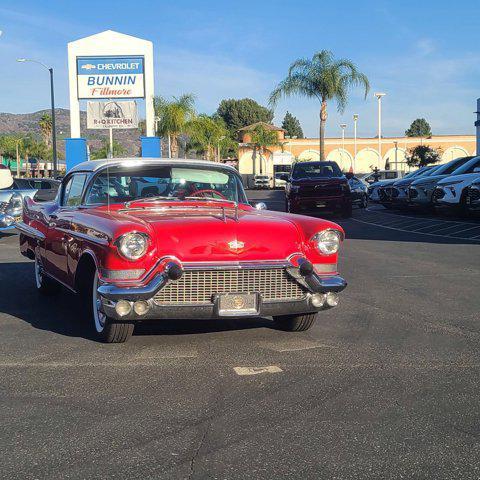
(422, 53)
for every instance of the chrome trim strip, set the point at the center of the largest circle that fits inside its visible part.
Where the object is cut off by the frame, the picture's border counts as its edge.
(84, 236)
(133, 293)
(29, 231)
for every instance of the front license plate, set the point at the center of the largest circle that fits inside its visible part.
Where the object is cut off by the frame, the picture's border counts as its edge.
(233, 304)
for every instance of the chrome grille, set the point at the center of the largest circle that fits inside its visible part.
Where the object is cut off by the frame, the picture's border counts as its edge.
(200, 286)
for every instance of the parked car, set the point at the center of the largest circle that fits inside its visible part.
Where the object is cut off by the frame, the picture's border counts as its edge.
(451, 192)
(11, 197)
(473, 196)
(398, 193)
(358, 191)
(370, 178)
(279, 180)
(196, 250)
(314, 187)
(381, 192)
(261, 181)
(420, 193)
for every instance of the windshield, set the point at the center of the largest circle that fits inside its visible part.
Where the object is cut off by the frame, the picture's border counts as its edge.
(449, 167)
(467, 167)
(164, 182)
(316, 170)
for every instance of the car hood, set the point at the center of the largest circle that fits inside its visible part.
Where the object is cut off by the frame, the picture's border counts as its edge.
(6, 194)
(215, 235)
(316, 181)
(430, 179)
(458, 178)
(383, 183)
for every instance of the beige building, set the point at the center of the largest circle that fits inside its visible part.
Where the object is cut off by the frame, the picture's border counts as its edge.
(360, 156)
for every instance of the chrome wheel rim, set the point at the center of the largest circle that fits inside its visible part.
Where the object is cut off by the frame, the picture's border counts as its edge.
(38, 274)
(99, 316)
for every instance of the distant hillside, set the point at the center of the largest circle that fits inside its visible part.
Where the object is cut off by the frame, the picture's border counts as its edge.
(27, 123)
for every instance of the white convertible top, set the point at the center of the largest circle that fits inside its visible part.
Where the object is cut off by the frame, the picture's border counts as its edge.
(95, 165)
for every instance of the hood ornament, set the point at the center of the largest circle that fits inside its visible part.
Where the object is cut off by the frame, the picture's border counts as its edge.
(235, 245)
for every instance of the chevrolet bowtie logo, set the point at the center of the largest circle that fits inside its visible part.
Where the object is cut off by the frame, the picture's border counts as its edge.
(235, 245)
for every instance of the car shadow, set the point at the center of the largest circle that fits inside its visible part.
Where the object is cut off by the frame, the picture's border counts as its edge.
(62, 313)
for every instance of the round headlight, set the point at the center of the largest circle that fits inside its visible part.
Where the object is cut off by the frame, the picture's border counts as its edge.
(328, 241)
(133, 245)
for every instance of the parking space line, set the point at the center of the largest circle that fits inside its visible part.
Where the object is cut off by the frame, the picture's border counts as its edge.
(470, 228)
(419, 233)
(257, 370)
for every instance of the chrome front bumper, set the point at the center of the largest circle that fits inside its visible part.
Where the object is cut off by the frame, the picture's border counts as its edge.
(314, 284)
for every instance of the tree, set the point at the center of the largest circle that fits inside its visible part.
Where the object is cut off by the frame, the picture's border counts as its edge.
(419, 128)
(240, 113)
(45, 125)
(261, 140)
(104, 150)
(324, 78)
(172, 116)
(292, 125)
(208, 133)
(422, 155)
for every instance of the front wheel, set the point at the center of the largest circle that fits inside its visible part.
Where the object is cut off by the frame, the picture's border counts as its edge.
(364, 203)
(295, 323)
(103, 327)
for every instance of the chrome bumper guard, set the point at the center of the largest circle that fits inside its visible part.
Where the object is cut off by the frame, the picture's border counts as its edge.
(304, 274)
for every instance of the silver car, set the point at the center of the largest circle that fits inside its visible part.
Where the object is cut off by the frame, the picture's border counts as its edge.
(11, 198)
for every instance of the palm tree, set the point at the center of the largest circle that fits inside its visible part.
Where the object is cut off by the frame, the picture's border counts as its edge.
(45, 125)
(208, 132)
(117, 149)
(171, 118)
(261, 138)
(323, 78)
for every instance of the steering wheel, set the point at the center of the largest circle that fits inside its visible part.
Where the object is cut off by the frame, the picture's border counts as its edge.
(207, 190)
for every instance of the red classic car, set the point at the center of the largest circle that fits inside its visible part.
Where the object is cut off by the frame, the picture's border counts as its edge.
(166, 239)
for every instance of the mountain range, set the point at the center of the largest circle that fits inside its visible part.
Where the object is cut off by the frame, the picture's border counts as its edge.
(27, 123)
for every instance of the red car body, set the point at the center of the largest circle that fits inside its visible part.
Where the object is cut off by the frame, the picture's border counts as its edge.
(192, 245)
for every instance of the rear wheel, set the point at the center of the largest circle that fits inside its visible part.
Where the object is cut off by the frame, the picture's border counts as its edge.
(45, 285)
(103, 328)
(295, 323)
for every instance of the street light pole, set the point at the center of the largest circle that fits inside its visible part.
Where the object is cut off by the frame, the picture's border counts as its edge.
(379, 96)
(52, 100)
(343, 126)
(355, 119)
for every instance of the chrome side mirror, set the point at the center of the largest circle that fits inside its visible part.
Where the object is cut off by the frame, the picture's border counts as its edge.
(261, 206)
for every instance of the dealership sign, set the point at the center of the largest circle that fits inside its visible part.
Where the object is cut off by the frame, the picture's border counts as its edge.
(112, 114)
(110, 77)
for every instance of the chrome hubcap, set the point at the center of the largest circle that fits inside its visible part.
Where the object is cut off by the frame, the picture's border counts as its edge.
(38, 273)
(98, 315)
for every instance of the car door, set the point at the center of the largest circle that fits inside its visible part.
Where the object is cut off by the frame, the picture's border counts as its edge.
(59, 225)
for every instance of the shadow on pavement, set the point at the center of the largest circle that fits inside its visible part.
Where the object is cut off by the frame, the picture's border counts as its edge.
(61, 313)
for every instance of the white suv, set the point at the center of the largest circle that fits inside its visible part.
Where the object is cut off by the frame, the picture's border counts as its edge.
(451, 191)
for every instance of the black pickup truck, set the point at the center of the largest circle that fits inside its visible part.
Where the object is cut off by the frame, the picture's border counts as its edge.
(317, 187)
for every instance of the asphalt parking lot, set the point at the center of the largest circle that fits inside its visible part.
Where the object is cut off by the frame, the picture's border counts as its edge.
(384, 386)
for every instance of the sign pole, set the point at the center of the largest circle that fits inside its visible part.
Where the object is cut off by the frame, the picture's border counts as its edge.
(111, 143)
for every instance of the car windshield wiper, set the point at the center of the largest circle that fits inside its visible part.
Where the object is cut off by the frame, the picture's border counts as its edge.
(150, 199)
(205, 199)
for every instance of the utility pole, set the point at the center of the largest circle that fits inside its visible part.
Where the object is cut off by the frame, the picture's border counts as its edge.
(355, 120)
(379, 96)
